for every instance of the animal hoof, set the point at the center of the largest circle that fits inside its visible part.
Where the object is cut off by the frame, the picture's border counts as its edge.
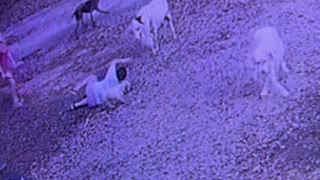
(72, 107)
(154, 52)
(18, 104)
(263, 94)
(285, 93)
(175, 36)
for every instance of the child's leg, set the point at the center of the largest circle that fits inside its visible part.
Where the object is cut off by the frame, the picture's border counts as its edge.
(83, 102)
(279, 87)
(83, 83)
(14, 94)
(89, 81)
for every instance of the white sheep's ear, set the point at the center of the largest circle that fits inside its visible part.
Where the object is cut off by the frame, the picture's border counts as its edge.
(139, 20)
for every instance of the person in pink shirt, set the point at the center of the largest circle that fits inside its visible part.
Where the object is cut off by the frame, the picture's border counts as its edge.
(7, 66)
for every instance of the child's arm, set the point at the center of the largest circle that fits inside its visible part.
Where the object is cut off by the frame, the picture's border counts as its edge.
(111, 73)
(116, 61)
(125, 60)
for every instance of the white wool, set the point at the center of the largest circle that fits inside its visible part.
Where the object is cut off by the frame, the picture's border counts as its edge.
(269, 56)
(148, 21)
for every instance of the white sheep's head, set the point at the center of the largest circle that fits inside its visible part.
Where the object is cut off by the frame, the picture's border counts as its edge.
(135, 27)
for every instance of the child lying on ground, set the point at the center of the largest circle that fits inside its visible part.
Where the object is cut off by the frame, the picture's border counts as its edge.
(113, 86)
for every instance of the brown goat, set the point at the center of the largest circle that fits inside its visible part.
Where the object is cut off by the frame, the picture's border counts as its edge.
(86, 7)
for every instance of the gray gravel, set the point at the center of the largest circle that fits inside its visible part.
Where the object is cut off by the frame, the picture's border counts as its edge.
(194, 112)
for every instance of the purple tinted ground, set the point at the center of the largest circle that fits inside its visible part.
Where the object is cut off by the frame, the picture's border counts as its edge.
(193, 112)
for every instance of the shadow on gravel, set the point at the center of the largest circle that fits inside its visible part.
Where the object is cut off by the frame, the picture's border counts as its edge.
(31, 134)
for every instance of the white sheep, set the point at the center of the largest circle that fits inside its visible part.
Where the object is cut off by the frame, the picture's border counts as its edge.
(269, 57)
(147, 22)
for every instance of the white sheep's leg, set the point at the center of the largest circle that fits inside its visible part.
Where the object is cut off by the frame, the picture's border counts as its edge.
(284, 66)
(169, 18)
(278, 86)
(154, 51)
(155, 41)
(265, 89)
(150, 41)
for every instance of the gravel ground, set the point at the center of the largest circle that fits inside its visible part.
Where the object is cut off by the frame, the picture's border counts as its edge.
(194, 112)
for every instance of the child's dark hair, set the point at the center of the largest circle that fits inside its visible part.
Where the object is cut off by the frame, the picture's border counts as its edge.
(121, 73)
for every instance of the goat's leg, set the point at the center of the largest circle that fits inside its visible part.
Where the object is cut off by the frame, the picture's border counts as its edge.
(169, 18)
(265, 89)
(92, 20)
(76, 31)
(83, 24)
